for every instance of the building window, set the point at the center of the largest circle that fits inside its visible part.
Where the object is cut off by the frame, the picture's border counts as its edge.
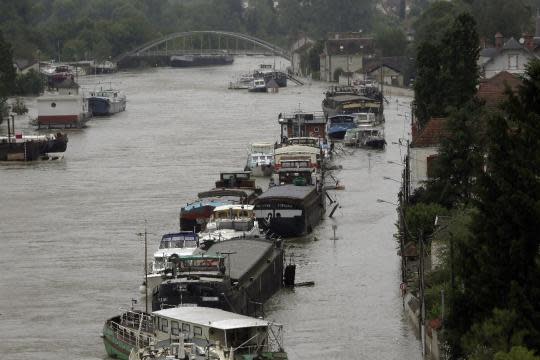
(512, 62)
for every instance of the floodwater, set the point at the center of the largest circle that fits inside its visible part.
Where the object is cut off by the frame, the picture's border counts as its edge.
(71, 256)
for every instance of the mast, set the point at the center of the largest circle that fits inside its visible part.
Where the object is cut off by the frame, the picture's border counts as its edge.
(145, 269)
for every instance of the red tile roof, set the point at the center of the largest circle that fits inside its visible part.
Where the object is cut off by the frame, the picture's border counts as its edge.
(431, 134)
(492, 90)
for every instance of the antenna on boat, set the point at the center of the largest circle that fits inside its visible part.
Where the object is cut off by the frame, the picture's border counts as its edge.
(145, 265)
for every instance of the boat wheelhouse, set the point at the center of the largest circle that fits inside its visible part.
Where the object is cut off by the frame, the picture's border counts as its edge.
(19, 147)
(228, 222)
(260, 159)
(201, 333)
(290, 210)
(313, 155)
(257, 85)
(231, 188)
(184, 243)
(302, 124)
(236, 275)
(338, 125)
(65, 108)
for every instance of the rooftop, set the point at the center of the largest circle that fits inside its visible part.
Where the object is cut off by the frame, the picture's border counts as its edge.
(431, 134)
(210, 317)
(492, 90)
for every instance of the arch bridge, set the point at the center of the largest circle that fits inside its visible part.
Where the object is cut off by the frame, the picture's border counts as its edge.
(203, 42)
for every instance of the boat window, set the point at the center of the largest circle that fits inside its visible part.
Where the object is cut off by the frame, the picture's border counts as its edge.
(163, 324)
(53, 105)
(186, 329)
(197, 331)
(190, 243)
(316, 129)
(175, 330)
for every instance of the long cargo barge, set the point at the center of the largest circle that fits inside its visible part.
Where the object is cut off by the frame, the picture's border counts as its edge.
(290, 210)
(234, 275)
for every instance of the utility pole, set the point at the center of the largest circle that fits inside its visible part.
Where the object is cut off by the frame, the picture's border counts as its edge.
(422, 295)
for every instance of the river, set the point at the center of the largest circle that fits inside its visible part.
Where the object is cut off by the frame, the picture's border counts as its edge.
(70, 254)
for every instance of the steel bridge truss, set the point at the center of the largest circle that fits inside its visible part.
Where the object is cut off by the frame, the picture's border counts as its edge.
(206, 42)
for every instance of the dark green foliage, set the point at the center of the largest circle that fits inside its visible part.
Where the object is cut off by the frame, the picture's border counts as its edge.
(30, 83)
(391, 40)
(420, 218)
(436, 20)
(500, 268)
(447, 72)
(7, 71)
(460, 159)
(507, 17)
(430, 83)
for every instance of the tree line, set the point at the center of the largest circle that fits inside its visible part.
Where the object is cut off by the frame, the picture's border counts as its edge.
(486, 181)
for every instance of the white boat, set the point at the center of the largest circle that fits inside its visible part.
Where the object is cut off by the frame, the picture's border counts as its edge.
(233, 221)
(257, 85)
(199, 333)
(184, 243)
(366, 136)
(63, 108)
(260, 160)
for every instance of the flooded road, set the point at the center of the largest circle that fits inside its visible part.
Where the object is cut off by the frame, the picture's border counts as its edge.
(70, 254)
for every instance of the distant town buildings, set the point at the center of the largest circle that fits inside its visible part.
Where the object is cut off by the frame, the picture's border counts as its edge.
(345, 53)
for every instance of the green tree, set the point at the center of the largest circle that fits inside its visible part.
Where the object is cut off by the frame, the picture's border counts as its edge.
(461, 155)
(7, 74)
(391, 40)
(517, 353)
(501, 268)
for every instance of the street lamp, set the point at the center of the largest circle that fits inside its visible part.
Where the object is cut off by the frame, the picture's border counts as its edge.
(391, 179)
(387, 202)
(395, 163)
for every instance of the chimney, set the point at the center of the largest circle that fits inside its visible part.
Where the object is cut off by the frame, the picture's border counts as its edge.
(528, 41)
(499, 39)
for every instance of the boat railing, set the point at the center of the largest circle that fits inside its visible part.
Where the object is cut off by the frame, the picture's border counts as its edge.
(135, 337)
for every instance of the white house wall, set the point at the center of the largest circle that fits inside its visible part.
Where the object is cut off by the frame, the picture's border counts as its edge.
(501, 62)
(418, 164)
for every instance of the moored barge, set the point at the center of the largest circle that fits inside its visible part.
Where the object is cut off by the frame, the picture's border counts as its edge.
(290, 210)
(235, 275)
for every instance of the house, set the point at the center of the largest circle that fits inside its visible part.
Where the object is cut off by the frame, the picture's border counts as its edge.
(511, 55)
(344, 52)
(393, 69)
(300, 47)
(424, 149)
(492, 90)
(22, 66)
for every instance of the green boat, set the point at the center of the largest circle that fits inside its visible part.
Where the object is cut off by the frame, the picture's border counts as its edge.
(122, 333)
